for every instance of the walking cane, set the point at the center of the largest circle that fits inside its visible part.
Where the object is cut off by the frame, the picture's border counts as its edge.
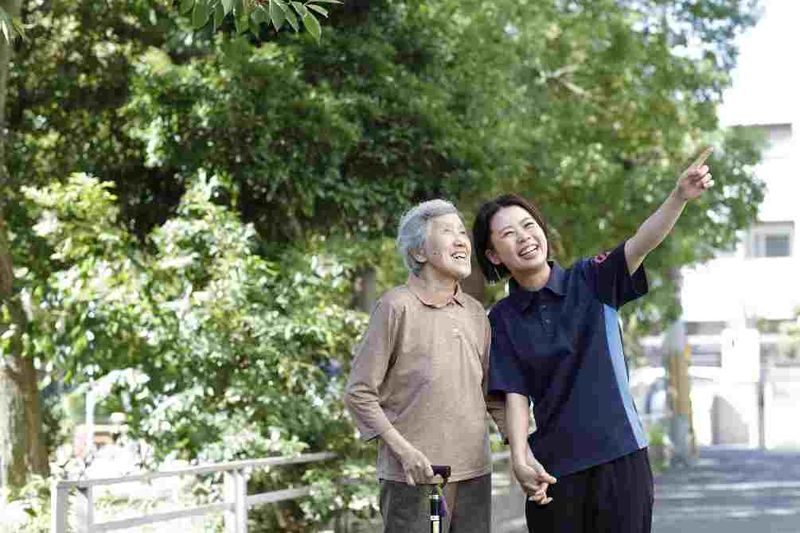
(438, 503)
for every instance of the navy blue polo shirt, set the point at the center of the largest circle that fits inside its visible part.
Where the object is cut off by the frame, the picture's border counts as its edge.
(561, 346)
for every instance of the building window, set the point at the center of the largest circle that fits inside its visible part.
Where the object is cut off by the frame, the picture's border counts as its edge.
(705, 328)
(771, 239)
(777, 246)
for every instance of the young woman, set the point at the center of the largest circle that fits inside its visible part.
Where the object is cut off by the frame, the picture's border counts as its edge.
(556, 342)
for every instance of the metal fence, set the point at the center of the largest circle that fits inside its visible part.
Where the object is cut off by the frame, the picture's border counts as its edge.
(235, 504)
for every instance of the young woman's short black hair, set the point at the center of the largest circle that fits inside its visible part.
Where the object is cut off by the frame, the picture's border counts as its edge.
(481, 231)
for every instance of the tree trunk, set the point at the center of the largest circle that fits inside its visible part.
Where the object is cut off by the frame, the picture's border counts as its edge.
(22, 447)
(475, 285)
(365, 293)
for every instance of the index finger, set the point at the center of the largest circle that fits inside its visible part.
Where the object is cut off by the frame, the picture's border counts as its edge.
(544, 477)
(697, 163)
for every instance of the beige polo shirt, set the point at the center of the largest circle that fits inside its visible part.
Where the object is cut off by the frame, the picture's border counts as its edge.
(422, 368)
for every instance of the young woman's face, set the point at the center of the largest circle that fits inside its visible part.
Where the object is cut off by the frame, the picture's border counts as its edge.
(517, 240)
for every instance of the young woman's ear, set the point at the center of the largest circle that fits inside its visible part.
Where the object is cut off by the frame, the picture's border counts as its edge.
(492, 257)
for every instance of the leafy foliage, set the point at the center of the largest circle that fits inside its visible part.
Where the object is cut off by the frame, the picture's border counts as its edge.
(255, 15)
(216, 310)
(10, 27)
(227, 356)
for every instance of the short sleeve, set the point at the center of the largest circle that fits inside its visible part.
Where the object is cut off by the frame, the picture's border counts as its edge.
(505, 371)
(608, 275)
(495, 403)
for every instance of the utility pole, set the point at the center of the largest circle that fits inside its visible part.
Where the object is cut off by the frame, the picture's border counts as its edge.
(676, 358)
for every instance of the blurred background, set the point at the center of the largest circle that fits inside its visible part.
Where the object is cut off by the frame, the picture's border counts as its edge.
(198, 200)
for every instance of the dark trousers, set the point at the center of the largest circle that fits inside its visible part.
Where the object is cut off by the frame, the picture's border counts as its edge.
(614, 497)
(406, 508)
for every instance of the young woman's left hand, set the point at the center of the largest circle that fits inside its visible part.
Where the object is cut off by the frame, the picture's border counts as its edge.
(534, 479)
(695, 179)
(693, 182)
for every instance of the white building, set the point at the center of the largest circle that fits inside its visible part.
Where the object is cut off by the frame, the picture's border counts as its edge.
(745, 388)
(761, 278)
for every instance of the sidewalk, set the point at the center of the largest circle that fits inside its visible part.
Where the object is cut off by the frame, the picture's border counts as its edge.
(726, 491)
(731, 491)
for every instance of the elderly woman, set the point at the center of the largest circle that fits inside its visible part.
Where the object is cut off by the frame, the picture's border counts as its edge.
(418, 380)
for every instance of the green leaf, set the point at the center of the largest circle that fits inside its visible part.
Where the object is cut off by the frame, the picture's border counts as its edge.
(260, 15)
(312, 25)
(186, 6)
(200, 14)
(293, 22)
(300, 8)
(277, 14)
(227, 6)
(219, 16)
(327, 2)
(17, 26)
(321, 10)
(241, 21)
(11, 27)
(290, 16)
(253, 26)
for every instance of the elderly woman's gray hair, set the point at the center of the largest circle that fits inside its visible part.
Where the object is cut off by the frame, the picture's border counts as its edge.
(414, 229)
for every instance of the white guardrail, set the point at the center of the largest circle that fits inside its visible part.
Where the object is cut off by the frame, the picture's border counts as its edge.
(235, 504)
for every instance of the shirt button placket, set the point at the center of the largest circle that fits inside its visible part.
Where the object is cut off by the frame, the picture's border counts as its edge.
(547, 322)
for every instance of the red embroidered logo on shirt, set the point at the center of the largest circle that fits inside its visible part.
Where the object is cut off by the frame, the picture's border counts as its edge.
(600, 257)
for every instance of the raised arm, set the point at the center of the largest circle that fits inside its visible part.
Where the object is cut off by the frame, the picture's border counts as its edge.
(691, 184)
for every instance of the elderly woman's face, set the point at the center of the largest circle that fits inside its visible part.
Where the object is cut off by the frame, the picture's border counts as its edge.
(447, 247)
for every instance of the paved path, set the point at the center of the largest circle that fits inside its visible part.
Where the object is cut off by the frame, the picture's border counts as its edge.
(731, 491)
(726, 491)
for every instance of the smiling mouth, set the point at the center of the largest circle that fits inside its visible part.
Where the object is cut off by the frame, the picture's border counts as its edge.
(529, 251)
(459, 256)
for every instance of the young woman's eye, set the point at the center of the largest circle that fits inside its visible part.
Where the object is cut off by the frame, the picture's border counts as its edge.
(506, 234)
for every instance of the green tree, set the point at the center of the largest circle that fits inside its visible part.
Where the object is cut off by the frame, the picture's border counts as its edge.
(588, 107)
(614, 104)
(213, 352)
(22, 447)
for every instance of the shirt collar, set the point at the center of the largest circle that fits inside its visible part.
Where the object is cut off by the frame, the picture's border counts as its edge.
(433, 298)
(556, 283)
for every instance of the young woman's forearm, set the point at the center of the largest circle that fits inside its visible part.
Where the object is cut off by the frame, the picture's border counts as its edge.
(654, 230)
(517, 426)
